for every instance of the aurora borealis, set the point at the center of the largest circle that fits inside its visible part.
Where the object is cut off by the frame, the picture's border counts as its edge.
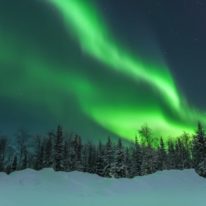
(66, 65)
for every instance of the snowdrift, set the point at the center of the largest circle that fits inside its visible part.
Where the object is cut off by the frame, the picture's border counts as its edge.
(49, 188)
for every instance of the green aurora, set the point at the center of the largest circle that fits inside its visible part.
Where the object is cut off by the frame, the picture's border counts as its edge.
(96, 40)
(150, 97)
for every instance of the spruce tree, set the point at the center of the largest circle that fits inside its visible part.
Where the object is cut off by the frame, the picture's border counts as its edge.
(149, 161)
(179, 154)
(137, 157)
(78, 152)
(118, 168)
(48, 151)
(14, 164)
(128, 162)
(108, 157)
(24, 162)
(162, 156)
(59, 150)
(39, 158)
(199, 146)
(171, 161)
(73, 155)
(99, 167)
(3, 143)
(66, 156)
(91, 158)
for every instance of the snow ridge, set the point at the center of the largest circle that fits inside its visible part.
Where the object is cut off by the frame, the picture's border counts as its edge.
(49, 188)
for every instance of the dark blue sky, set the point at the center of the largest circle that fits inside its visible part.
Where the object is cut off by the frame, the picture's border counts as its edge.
(179, 29)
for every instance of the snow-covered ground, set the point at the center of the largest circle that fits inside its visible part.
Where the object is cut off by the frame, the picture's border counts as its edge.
(49, 188)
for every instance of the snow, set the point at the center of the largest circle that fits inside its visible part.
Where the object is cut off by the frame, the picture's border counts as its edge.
(49, 188)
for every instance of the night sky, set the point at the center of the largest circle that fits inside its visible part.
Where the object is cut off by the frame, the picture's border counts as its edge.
(102, 67)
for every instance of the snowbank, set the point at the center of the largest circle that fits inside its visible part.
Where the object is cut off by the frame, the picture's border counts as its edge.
(49, 188)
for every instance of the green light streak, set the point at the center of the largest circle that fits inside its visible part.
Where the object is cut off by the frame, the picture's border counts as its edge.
(123, 119)
(94, 38)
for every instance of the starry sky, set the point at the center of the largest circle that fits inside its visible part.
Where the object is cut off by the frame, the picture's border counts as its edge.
(102, 68)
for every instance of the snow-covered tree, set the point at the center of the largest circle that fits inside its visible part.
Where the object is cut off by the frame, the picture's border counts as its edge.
(14, 164)
(3, 143)
(201, 168)
(171, 160)
(162, 156)
(99, 167)
(199, 146)
(48, 151)
(108, 158)
(136, 159)
(59, 150)
(149, 161)
(118, 167)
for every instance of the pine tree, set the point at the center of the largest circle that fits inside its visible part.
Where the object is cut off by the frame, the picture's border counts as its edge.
(78, 152)
(85, 158)
(128, 162)
(187, 150)
(171, 161)
(14, 164)
(179, 154)
(118, 168)
(149, 161)
(99, 167)
(48, 151)
(201, 168)
(66, 156)
(108, 157)
(3, 143)
(73, 155)
(22, 138)
(39, 158)
(91, 158)
(8, 169)
(24, 159)
(162, 156)
(136, 159)
(199, 146)
(59, 150)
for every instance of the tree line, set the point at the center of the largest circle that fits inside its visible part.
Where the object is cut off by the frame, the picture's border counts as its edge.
(109, 159)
